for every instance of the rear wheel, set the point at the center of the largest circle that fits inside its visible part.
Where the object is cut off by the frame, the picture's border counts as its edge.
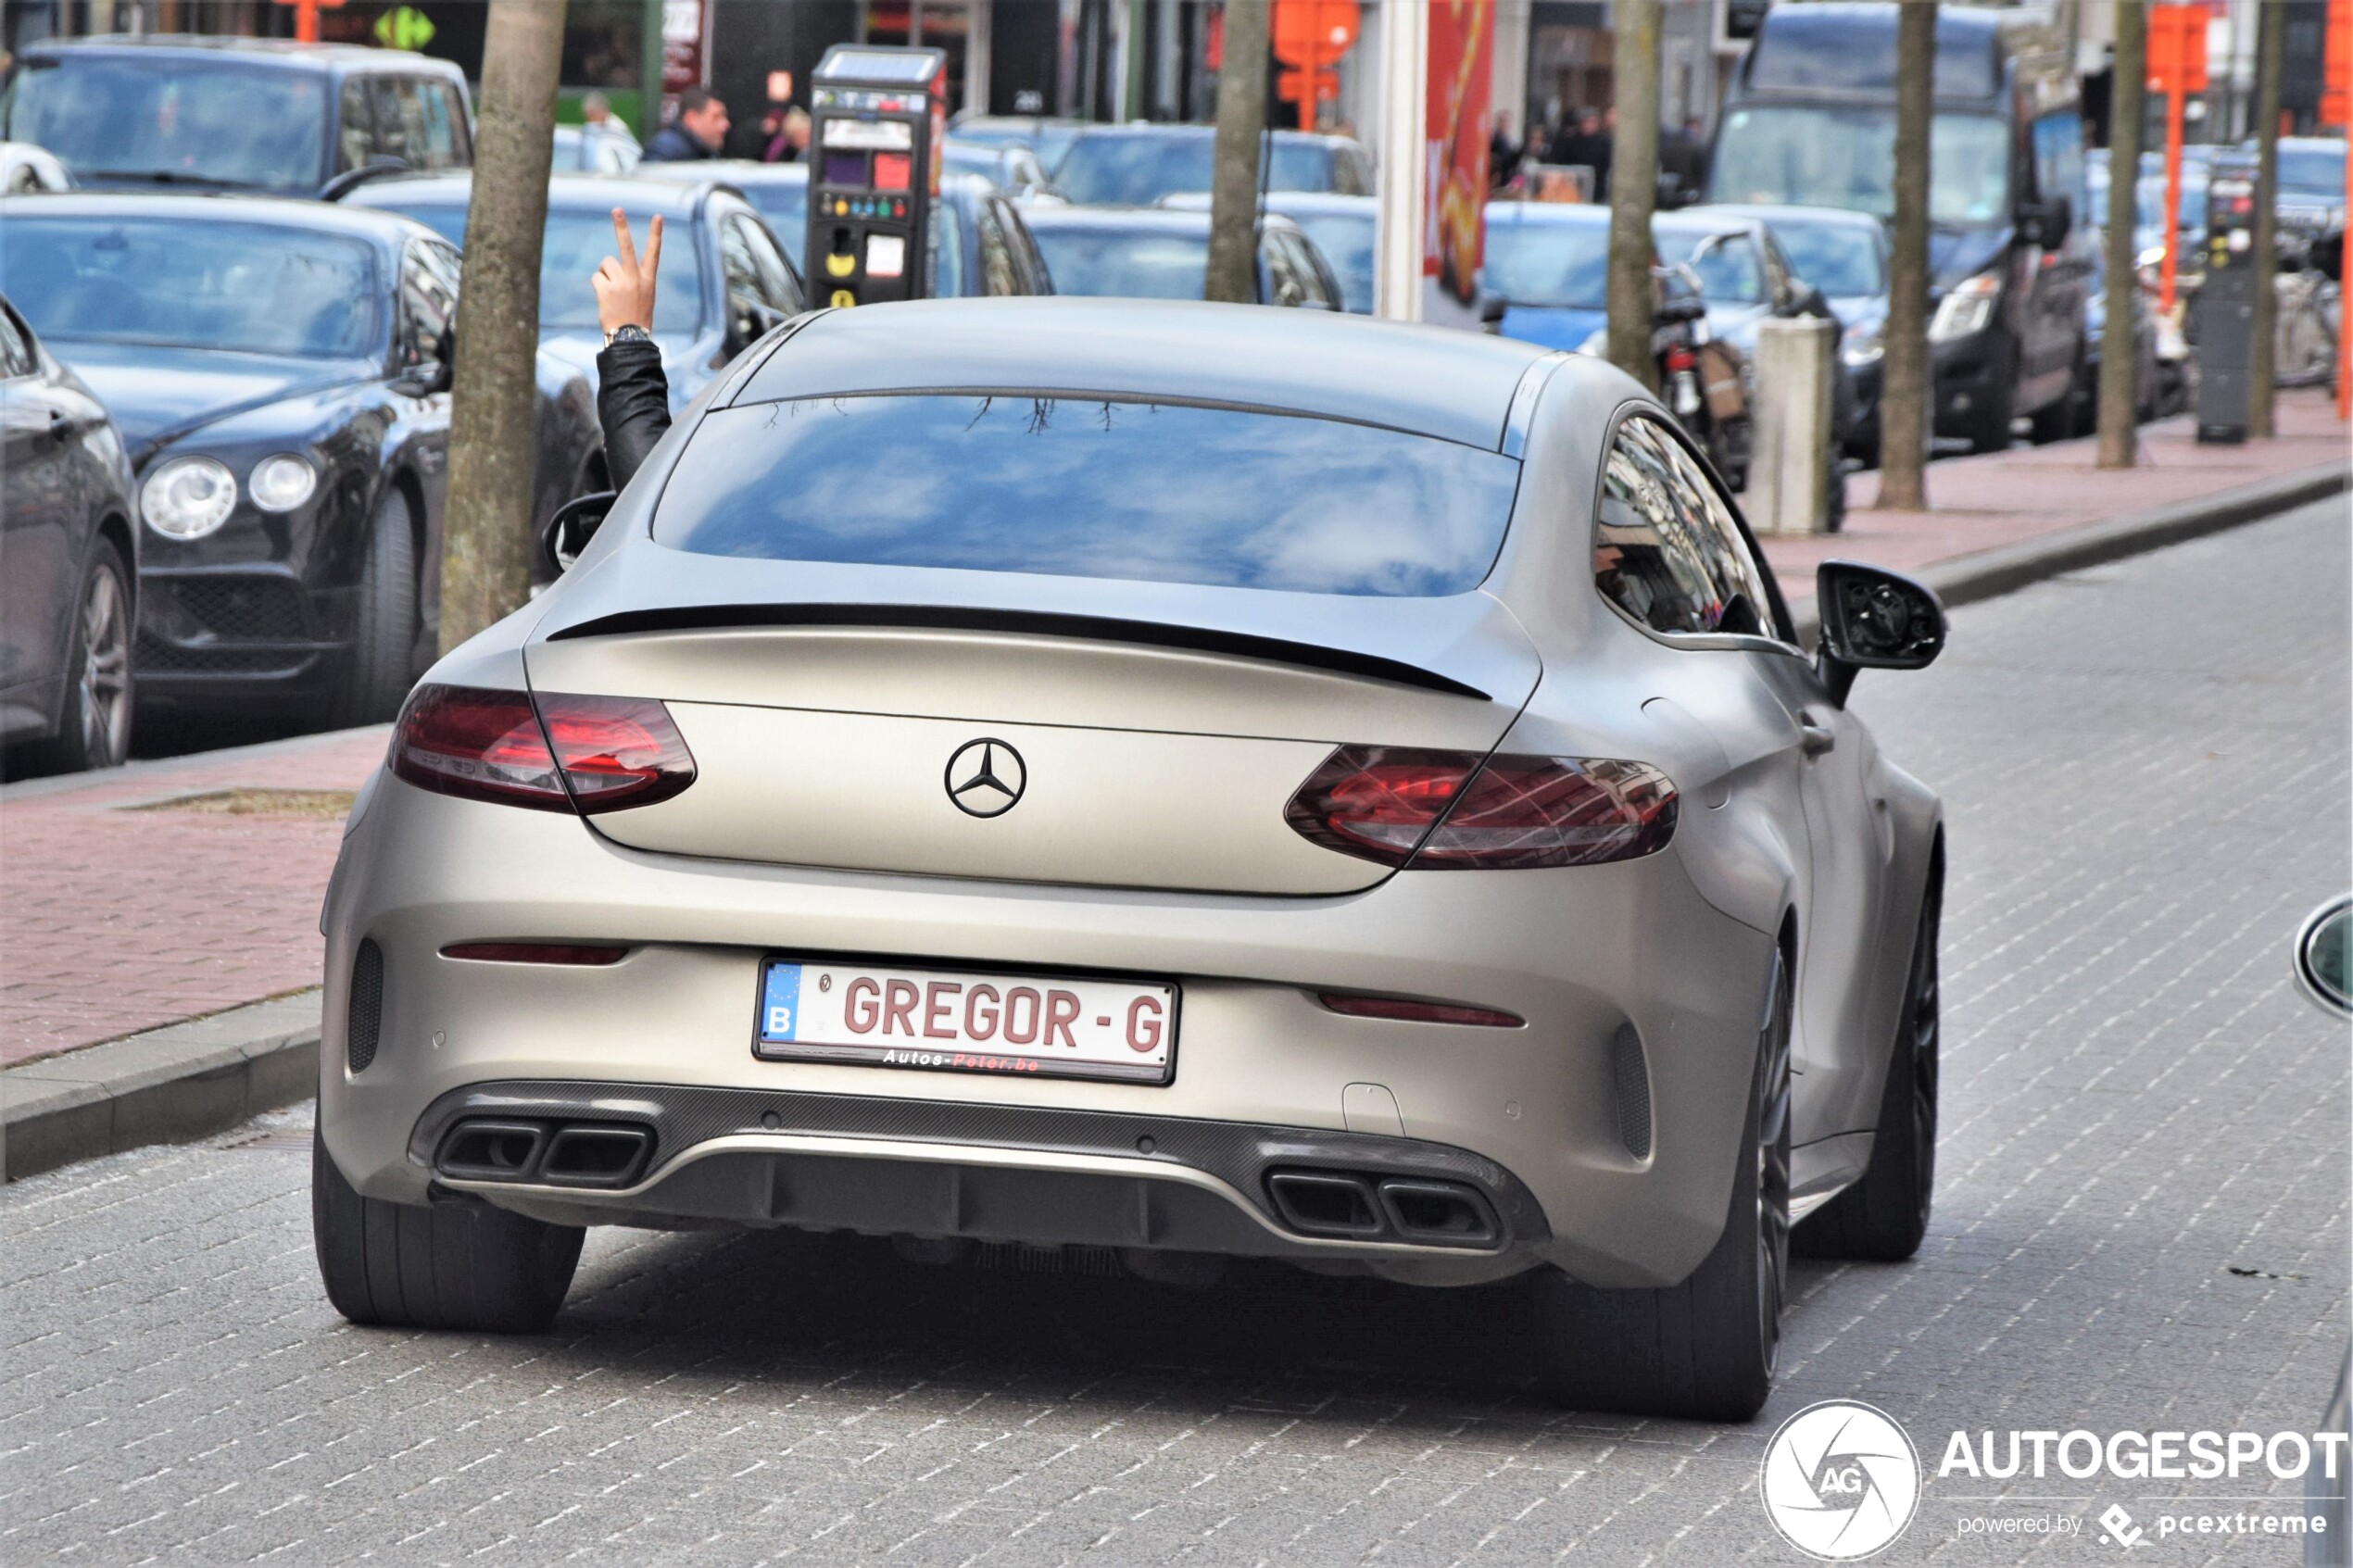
(1884, 1216)
(1704, 1349)
(377, 668)
(442, 1265)
(94, 721)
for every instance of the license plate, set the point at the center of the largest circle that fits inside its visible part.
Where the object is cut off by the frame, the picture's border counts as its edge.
(946, 1022)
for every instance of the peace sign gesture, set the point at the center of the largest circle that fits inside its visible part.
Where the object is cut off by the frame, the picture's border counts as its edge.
(625, 286)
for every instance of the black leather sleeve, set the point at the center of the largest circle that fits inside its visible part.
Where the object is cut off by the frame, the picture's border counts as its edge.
(633, 404)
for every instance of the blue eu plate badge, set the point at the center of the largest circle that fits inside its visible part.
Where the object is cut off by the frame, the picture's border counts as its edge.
(780, 1002)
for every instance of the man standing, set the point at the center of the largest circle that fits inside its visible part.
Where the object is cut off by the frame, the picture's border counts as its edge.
(699, 131)
(607, 144)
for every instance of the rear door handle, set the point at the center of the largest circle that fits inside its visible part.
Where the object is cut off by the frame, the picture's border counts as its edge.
(1814, 739)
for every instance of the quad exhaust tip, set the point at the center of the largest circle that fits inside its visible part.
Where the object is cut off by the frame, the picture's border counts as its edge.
(1347, 1205)
(585, 1154)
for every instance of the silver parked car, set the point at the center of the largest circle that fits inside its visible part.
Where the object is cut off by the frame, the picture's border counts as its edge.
(1182, 781)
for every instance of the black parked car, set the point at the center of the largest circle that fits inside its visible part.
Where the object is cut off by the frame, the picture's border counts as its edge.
(1160, 253)
(725, 278)
(69, 592)
(279, 371)
(235, 114)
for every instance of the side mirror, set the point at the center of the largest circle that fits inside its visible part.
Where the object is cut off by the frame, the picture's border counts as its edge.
(2325, 956)
(1490, 310)
(2048, 222)
(1873, 619)
(575, 522)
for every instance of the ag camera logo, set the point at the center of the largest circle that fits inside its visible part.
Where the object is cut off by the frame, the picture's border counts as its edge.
(1840, 1480)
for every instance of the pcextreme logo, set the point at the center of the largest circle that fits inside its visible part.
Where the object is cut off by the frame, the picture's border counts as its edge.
(1840, 1480)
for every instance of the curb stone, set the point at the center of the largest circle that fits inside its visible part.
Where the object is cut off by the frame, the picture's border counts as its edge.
(1990, 573)
(202, 1076)
(184, 1081)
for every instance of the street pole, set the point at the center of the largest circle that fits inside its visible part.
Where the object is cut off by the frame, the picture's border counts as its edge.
(2271, 64)
(1405, 106)
(1233, 179)
(1633, 189)
(2119, 405)
(485, 567)
(1904, 411)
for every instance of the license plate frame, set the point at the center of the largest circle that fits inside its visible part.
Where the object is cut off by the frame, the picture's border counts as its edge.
(914, 1051)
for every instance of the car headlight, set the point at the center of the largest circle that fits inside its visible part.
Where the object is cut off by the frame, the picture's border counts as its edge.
(1964, 312)
(1862, 343)
(188, 498)
(282, 483)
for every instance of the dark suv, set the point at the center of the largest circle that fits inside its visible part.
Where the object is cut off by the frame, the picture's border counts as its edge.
(235, 114)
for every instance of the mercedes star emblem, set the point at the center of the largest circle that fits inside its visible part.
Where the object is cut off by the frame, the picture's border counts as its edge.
(985, 778)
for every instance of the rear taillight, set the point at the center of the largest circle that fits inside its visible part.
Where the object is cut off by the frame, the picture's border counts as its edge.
(571, 953)
(588, 753)
(1406, 1012)
(1444, 811)
(1680, 356)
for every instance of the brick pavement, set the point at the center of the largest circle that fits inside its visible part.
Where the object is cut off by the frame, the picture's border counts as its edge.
(1983, 502)
(2146, 770)
(118, 919)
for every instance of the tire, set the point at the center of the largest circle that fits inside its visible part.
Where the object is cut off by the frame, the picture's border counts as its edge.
(1989, 429)
(379, 665)
(1834, 491)
(2063, 420)
(93, 718)
(462, 1265)
(1704, 1349)
(1884, 1217)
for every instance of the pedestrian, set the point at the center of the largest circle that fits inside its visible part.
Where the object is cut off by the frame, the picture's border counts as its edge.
(633, 394)
(1683, 156)
(1605, 151)
(785, 136)
(1502, 153)
(699, 132)
(607, 144)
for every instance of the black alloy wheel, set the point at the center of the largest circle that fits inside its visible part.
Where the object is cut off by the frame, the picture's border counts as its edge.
(1884, 1217)
(93, 725)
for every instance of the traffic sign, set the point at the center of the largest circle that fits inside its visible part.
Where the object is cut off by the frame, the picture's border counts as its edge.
(404, 26)
(2177, 48)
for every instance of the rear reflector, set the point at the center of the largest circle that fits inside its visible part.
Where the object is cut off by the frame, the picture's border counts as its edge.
(585, 753)
(1420, 1012)
(1444, 811)
(534, 952)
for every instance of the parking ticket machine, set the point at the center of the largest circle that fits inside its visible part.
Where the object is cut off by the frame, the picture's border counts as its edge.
(2225, 303)
(878, 115)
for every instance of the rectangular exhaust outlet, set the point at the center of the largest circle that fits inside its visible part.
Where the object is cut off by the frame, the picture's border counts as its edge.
(492, 1151)
(1437, 1215)
(1326, 1203)
(595, 1157)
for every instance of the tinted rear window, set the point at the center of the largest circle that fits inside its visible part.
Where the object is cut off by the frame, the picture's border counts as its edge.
(1092, 487)
(1851, 52)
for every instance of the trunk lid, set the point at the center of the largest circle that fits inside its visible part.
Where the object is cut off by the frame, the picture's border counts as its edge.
(1154, 752)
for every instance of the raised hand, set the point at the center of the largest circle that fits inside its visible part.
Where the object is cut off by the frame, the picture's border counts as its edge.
(624, 285)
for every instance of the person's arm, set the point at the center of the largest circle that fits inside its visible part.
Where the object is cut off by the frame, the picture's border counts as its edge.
(633, 394)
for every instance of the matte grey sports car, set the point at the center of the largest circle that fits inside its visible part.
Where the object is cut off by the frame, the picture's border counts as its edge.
(1176, 780)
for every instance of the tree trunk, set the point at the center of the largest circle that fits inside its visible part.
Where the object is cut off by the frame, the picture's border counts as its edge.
(485, 567)
(1633, 189)
(1233, 179)
(2119, 403)
(2270, 63)
(1904, 408)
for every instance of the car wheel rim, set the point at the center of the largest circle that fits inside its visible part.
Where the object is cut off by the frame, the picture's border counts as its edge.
(1772, 1167)
(1923, 1033)
(106, 672)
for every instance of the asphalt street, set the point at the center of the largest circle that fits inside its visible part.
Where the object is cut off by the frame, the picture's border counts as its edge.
(2141, 1223)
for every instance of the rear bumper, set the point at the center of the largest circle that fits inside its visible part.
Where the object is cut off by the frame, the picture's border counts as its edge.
(1643, 1003)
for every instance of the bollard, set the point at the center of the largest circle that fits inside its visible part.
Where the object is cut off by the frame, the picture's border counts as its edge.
(1790, 473)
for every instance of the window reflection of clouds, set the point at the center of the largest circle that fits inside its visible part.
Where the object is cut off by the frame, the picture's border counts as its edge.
(1093, 487)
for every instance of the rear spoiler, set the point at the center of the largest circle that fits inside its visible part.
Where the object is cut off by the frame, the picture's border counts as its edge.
(1091, 628)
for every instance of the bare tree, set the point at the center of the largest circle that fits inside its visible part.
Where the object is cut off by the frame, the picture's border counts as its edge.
(1233, 179)
(2270, 63)
(2119, 402)
(1904, 413)
(1634, 188)
(486, 567)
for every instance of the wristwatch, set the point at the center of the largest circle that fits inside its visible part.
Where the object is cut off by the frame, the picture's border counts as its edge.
(628, 332)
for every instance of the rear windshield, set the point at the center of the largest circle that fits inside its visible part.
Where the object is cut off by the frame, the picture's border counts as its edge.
(163, 120)
(1092, 487)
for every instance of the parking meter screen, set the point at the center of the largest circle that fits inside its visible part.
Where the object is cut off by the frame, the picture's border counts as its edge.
(1079, 487)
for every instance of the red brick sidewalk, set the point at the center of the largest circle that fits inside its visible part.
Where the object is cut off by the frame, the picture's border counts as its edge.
(2006, 497)
(116, 921)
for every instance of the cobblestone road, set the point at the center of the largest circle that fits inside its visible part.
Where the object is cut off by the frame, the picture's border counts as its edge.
(2141, 1223)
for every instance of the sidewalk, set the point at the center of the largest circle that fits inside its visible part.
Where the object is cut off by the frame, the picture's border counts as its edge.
(141, 898)
(2002, 498)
